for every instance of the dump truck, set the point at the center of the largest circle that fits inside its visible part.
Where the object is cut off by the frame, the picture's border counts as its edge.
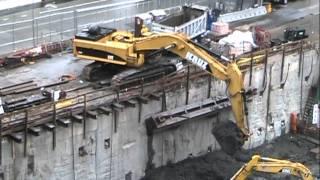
(191, 20)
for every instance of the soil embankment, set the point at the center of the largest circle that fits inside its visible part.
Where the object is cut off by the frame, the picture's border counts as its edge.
(220, 165)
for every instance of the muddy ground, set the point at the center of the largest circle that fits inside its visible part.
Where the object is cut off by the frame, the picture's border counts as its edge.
(219, 165)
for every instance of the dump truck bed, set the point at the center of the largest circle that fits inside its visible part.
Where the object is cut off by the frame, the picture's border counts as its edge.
(190, 20)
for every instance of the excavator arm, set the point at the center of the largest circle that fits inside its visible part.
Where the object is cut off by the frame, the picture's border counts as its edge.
(122, 48)
(275, 166)
(183, 47)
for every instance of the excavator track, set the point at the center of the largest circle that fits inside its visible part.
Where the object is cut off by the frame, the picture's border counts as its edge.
(147, 74)
(99, 70)
(126, 77)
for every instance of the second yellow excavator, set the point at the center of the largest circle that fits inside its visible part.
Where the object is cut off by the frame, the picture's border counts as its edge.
(119, 49)
(274, 166)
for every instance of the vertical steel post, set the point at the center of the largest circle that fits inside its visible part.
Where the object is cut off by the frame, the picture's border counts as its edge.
(54, 132)
(268, 102)
(72, 146)
(265, 65)
(118, 93)
(209, 86)
(301, 87)
(264, 73)
(0, 140)
(84, 115)
(300, 58)
(25, 133)
(241, 5)
(251, 65)
(139, 111)
(282, 62)
(115, 120)
(139, 102)
(164, 98)
(187, 85)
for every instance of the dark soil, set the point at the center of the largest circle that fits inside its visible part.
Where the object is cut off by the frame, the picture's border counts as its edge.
(228, 136)
(220, 165)
(215, 165)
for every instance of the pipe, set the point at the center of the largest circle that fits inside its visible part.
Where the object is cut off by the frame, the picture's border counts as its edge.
(268, 102)
(84, 115)
(308, 76)
(25, 134)
(284, 82)
(187, 85)
(250, 75)
(264, 83)
(300, 59)
(55, 125)
(282, 62)
(301, 86)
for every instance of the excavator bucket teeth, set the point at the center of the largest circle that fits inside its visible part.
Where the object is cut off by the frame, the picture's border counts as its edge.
(229, 136)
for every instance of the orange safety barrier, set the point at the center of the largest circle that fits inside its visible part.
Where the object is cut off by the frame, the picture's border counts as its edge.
(293, 122)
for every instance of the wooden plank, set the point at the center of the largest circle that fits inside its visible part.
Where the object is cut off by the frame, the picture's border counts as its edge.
(64, 122)
(105, 110)
(49, 126)
(154, 96)
(15, 85)
(35, 131)
(92, 114)
(142, 99)
(16, 137)
(77, 118)
(130, 103)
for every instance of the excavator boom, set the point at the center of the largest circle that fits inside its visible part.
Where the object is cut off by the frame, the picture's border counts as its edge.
(123, 48)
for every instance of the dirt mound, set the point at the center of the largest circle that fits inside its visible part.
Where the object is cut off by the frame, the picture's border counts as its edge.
(229, 136)
(216, 165)
(287, 147)
(220, 165)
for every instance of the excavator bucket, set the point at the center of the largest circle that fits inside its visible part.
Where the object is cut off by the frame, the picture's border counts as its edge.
(229, 136)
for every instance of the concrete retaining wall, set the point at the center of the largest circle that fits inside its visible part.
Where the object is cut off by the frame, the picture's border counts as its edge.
(126, 151)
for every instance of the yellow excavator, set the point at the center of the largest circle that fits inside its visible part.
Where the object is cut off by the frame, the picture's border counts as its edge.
(274, 166)
(118, 49)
